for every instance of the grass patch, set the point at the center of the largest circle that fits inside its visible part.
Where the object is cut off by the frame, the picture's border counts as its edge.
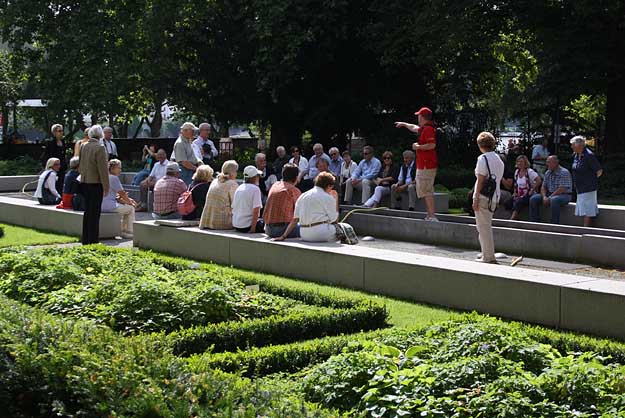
(17, 235)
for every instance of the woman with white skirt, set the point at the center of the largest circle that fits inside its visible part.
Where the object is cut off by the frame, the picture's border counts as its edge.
(586, 171)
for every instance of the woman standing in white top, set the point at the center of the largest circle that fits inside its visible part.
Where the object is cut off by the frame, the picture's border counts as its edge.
(46, 191)
(489, 166)
(299, 160)
(316, 212)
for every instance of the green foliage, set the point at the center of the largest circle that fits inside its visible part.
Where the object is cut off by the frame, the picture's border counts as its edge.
(280, 329)
(588, 112)
(51, 366)
(454, 177)
(24, 165)
(458, 197)
(18, 236)
(472, 367)
(127, 291)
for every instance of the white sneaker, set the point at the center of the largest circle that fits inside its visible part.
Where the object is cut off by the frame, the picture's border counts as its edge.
(431, 218)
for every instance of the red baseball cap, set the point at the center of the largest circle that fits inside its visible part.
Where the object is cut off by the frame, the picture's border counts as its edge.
(424, 111)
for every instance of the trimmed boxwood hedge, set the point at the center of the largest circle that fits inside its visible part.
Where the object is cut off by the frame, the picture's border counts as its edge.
(297, 326)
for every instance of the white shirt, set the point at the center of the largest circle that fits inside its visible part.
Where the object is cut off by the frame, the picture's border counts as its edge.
(109, 146)
(197, 147)
(159, 170)
(346, 172)
(521, 182)
(496, 169)
(315, 206)
(246, 198)
(303, 164)
(50, 184)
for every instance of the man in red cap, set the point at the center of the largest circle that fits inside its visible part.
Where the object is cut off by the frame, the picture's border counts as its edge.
(427, 161)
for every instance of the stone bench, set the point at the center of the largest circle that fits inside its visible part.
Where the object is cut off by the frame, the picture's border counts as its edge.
(16, 183)
(553, 242)
(441, 202)
(31, 214)
(558, 300)
(610, 216)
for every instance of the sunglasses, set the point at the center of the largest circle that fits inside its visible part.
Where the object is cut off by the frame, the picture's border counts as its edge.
(366, 153)
(296, 150)
(387, 158)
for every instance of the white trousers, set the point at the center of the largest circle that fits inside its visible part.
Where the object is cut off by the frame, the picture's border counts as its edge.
(128, 217)
(319, 233)
(378, 195)
(364, 185)
(484, 223)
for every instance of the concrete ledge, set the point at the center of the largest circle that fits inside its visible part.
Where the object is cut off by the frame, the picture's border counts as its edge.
(571, 246)
(552, 299)
(610, 216)
(15, 183)
(441, 201)
(31, 214)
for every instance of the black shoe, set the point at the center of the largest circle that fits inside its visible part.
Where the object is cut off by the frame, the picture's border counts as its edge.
(411, 209)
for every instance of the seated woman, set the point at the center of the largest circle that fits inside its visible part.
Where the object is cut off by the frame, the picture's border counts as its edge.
(117, 199)
(71, 188)
(217, 213)
(147, 159)
(316, 213)
(46, 191)
(526, 183)
(202, 179)
(386, 178)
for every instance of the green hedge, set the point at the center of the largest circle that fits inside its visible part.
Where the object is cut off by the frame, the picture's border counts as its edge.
(297, 326)
(21, 166)
(51, 366)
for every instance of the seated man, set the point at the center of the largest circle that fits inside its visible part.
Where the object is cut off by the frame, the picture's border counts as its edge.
(166, 193)
(406, 182)
(278, 212)
(363, 176)
(247, 203)
(157, 173)
(267, 176)
(555, 191)
(281, 160)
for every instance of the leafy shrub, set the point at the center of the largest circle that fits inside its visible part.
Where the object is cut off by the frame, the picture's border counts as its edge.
(281, 329)
(458, 197)
(127, 291)
(24, 165)
(455, 176)
(59, 367)
(467, 368)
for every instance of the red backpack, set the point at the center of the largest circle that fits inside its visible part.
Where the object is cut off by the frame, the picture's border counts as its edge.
(185, 202)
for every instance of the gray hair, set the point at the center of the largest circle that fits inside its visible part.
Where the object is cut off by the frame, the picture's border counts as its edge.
(114, 163)
(318, 145)
(259, 156)
(96, 132)
(228, 168)
(408, 153)
(578, 140)
(205, 125)
(74, 162)
(368, 148)
(55, 127)
(554, 158)
(334, 149)
(51, 162)
(280, 148)
(107, 129)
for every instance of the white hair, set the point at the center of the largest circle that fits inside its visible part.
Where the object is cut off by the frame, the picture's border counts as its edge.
(318, 145)
(96, 132)
(56, 127)
(204, 125)
(107, 129)
(74, 162)
(334, 149)
(259, 156)
(114, 163)
(578, 140)
(51, 162)
(280, 148)
(408, 153)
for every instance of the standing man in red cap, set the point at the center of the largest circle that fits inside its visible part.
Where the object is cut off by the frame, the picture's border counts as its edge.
(427, 161)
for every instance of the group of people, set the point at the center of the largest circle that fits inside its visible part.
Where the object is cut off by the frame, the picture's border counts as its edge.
(299, 197)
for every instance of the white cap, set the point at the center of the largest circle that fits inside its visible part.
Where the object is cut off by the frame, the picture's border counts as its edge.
(173, 168)
(188, 125)
(251, 171)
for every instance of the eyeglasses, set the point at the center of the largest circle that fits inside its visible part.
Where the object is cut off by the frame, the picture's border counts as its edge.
(296, 150)
(334, 153)
(366, 153)
(387, 158)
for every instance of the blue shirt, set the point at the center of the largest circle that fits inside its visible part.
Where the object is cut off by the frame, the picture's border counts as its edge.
(556, 179)
(584, 171)
(109, 202)
(335, 167)
(367, 170)
(312, 165)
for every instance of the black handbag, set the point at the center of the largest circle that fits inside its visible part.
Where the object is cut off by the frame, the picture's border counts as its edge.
(47, 198)
(489, 188)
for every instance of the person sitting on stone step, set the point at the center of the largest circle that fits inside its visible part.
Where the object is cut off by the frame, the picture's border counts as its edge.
(406, 182)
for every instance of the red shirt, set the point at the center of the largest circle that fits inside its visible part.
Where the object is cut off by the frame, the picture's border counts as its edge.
(427, 159)
(281, 203)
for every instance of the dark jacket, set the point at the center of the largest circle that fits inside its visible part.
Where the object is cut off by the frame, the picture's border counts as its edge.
(198, 195)
(262, 186)
(394, 172)
(278, 164)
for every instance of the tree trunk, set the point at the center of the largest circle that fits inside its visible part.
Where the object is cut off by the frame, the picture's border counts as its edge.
(615, 117)
(138, 128)
(157, 122)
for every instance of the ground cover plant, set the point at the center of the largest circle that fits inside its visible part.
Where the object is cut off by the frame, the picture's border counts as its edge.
(113, 332)
(16, 235)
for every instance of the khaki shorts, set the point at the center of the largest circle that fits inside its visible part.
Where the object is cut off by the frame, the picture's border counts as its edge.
(425, 182)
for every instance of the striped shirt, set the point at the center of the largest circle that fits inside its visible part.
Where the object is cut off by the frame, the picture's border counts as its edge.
(561, 177)
(166, 193)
